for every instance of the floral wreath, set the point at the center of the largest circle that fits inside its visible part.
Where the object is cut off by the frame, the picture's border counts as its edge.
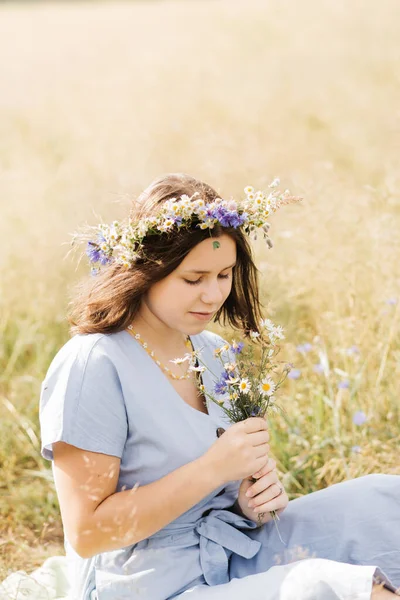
(123, 244)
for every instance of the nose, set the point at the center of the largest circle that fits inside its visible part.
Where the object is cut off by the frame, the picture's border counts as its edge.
(212, 294)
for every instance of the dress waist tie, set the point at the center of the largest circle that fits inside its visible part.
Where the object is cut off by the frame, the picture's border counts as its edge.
(216, 531)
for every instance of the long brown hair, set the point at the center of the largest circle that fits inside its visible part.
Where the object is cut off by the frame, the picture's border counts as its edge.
(108, 302)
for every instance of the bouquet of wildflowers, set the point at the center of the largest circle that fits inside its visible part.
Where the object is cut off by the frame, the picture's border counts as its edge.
(250, 377)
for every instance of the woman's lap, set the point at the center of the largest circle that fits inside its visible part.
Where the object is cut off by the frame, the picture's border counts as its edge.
(311, 579)
(356, 522)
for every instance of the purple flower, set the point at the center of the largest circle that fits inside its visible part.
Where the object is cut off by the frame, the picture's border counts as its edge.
(94, 271)
(352, 350)
(255, 411)
(95, 253)
(344, 384)
(237, 348)
(228, 218)
(391, 301)
(294, 374)
(356, 449)
(304, 347)
(220, 387)
(319, 368)
(359, 418)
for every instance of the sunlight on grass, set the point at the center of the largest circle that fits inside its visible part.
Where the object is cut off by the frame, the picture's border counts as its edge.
(99, 99)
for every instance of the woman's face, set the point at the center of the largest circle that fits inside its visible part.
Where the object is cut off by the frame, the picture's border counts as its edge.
(188, 298)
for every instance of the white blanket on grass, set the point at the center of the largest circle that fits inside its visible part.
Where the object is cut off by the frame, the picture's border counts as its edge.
(48, 582)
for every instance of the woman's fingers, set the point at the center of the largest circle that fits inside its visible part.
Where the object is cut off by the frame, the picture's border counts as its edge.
(273, 498)
(276, 504)
(270, 466)
(274, 490)
(264, 481)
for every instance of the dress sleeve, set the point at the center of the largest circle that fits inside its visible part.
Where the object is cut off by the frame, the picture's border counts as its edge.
(81, 400)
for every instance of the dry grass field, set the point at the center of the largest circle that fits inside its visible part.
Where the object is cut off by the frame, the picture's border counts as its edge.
(97, 99)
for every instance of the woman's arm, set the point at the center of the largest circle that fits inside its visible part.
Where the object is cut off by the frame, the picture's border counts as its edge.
(97, 519)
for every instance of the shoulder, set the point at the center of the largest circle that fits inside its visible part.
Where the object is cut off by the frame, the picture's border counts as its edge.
(95, 349)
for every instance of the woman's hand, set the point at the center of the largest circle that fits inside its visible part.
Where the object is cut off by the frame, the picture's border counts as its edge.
(239, 451)
(264, 495)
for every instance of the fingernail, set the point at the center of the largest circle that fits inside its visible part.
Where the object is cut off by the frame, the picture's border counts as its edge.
(248, 494)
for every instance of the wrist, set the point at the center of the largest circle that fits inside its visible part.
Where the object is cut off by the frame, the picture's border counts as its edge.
(210, 470)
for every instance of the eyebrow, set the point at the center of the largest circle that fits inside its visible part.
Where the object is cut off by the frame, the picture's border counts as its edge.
(206, 272)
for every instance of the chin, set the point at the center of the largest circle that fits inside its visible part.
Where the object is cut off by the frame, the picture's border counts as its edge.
(196, 329)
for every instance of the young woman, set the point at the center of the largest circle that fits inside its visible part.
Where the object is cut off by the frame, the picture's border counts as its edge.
(153, 499)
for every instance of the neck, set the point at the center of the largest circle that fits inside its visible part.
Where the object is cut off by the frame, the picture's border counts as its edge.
(157, 334)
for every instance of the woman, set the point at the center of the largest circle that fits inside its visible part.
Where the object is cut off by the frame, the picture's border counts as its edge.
(153, 502)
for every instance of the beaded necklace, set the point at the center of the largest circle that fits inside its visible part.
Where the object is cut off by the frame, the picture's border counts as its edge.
(168, 371)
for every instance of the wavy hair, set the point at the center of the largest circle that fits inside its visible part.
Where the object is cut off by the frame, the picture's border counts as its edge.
(108, 302)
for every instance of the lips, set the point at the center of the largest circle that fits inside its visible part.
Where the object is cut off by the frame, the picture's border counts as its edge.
(202, 316)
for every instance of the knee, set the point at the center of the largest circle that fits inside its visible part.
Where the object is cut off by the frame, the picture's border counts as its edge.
(379, 479)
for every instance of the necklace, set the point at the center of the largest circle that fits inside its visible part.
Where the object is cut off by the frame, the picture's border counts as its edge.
(168, 371)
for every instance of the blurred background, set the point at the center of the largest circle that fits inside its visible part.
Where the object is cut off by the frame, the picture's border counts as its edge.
(99, 98)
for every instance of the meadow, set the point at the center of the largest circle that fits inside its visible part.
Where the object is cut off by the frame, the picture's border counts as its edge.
(98, 99)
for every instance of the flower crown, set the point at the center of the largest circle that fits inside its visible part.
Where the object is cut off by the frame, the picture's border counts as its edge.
(124, 244)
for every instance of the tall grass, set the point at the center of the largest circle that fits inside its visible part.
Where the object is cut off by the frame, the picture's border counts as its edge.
(97, 100)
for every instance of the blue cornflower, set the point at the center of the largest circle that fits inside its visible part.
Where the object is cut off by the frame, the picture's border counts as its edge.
(237, 347)
(93, 252)
(352, 350)
(319, 368)
(104, 259)
(255, 411)
(304, 347)
(391, 301)
(220, 387)
(228, 218)
(344, 384)
(359, 418)
(294, 374)
(356, 449)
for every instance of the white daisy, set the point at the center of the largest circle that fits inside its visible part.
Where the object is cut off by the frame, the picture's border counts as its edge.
(267, 387)
(244, 386)
(179, 361)
(197, 369)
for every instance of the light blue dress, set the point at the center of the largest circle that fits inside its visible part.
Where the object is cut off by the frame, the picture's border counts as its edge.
(104, 393)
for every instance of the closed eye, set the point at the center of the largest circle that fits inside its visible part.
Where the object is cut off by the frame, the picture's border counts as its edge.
(199, 280)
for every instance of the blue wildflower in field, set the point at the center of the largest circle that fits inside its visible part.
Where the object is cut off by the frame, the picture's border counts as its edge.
(294, 374)
(319, 368)
(356, 449)
(391, 301)
(304, 348)
(359, 418)
(352, 350)
(344, 384)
